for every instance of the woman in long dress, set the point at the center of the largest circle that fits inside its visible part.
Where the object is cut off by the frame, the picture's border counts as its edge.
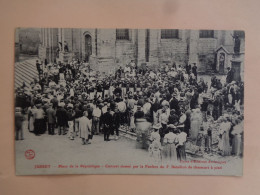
(181, 138)
(237, 138)
(224, 144)
(170, 140)
(195, 124)
(31, 113)
(85, 128)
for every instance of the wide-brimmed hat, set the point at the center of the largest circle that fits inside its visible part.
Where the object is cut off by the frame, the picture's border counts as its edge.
(172, 126)
(38, 95)
(70, 105)
(62, 104)
(157, 126)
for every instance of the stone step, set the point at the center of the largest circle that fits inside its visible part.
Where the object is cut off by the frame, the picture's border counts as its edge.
(29, 63)
(26, 69)
(19, 79)
(25, 72)
(18, 82)
(31, 67)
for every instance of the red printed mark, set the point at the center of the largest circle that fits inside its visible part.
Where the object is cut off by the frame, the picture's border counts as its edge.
(29, 154)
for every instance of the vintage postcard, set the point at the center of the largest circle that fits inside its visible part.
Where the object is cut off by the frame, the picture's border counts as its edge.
(129, 101)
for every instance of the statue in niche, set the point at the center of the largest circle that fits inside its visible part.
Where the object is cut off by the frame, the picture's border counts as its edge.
(221, 62)
(236, 44)
(66, 47)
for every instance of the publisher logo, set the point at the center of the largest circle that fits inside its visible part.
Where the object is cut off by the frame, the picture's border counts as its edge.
(29, 154)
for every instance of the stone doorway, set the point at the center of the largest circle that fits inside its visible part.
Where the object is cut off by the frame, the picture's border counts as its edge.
(88, 47)
(236, 66)
(221, 63)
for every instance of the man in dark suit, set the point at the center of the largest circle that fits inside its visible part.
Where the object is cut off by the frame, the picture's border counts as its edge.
(194, 70)
(229, 78)
(38, 66)
(50, 112)
(62, 120)
(108, 124)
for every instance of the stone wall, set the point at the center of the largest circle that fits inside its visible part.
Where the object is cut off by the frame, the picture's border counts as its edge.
(154, 48)
(29, 39)
(42, 52)
(108, 53)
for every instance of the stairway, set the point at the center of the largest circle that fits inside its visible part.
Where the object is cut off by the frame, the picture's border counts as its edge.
(25, 71)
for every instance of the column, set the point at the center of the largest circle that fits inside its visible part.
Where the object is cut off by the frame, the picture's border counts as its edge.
(193, 46)
(141, 47)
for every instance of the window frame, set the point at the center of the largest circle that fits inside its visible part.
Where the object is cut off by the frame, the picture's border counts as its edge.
(125, 37)
(206, 34)
(170, 34)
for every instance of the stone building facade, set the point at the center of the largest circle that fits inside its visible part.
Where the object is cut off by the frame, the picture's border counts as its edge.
(107, 49)
(49, 44)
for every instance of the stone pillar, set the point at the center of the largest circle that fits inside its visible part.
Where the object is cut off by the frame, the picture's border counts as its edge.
(193, 46)
(141, 47)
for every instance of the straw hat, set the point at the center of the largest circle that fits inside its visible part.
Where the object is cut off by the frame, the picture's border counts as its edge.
(70, 105)
(171, 126)
(62, 104)
(157, 126)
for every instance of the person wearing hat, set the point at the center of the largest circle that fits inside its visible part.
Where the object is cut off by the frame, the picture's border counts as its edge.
(62, 121)
(147, 109)
(19, 118)
(182, 119)
(195, 124)
(51, 118)
(170, 139)
(38, 66)
(230, 75)
(96, 120)
(31, 111)
(85, 128)
(174, 103)
(108, 124)
(39, 123)
(121, 105)
(139, 113)
(224, 142)
(194, 70)
(181, 140)
(123, 87)
(106, 86)
(155, 151)
(71, 117)
(116, 123)
(155, 136)
(163, 120)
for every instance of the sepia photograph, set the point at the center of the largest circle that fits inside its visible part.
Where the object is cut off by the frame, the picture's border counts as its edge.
(129, 101)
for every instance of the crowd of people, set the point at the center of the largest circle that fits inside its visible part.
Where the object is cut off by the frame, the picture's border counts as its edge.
(72, 99)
